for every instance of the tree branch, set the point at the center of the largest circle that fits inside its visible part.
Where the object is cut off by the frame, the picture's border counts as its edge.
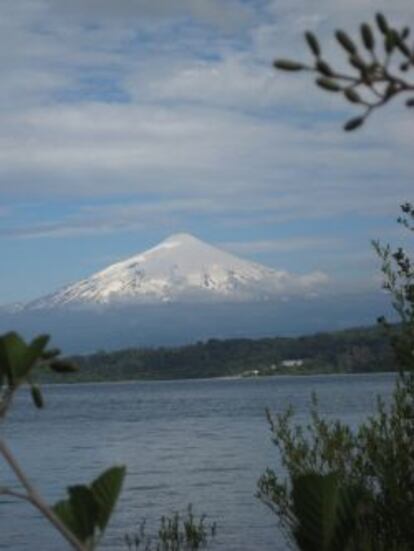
(35, 499)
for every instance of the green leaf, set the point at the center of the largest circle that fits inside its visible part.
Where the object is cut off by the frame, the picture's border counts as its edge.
(17, 358)
(390, 91)
(51, 353)
(358, 63)
(288, 65)
(352, 124)
(313, 43)
(329, 85)
(63, 366)
(346, 42)
(382, 23)
(367, 37)
(87, 510)
(12, 350)
(79, 513)
(324, 68)
(352, 96)
(106, 489)
(402, 46)
(37, 396)
(390, 41)
(38, 344)
(63, 510)
(326, 512)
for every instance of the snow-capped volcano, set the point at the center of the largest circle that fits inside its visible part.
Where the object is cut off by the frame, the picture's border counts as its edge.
(180, 269)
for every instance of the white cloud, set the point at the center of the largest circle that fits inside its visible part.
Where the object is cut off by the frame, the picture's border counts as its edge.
(204, 125)
(226, 163)
(95, 220)
(193, 118)
(232, 82)
(228, 15)
(289, 244)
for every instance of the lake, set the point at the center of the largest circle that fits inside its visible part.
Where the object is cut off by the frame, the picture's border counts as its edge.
(205, 442)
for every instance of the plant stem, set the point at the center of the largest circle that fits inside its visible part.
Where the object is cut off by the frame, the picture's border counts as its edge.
(35, 499)
(5, 402)
(8, 492)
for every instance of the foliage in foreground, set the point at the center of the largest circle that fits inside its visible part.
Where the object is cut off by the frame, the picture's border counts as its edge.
(176, 533)
(372, 469)
(83, 516)
(354, 490)
(377, 67)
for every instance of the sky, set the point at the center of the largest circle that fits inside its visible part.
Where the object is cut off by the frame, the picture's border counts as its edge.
(123, 122)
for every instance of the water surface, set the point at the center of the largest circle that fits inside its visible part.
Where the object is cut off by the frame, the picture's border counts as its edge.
(205, 442)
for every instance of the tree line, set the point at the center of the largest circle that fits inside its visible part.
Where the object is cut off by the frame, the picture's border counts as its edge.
(349, 351)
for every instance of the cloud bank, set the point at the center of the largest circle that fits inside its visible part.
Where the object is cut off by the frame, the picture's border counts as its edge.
(131, 117)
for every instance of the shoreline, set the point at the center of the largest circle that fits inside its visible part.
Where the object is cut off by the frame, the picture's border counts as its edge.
(218, 379)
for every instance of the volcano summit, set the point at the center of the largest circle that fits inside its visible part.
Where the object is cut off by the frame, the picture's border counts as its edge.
(181, 268)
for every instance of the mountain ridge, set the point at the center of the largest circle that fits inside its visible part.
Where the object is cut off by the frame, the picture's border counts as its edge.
(181, 268)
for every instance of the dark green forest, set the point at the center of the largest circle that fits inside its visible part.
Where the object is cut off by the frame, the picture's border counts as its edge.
(350, 351)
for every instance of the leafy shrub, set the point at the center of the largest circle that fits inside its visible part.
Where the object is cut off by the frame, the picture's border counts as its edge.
(176, 533)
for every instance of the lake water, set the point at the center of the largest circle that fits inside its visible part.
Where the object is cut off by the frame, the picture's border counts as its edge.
(205, 442)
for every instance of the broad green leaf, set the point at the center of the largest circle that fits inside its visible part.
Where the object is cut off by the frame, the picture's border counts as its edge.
(17, 358)
(63, 510)
(79, 513)
(87, 510)
(14, 360)
(106, 489)
(38, 344)
(326, 512)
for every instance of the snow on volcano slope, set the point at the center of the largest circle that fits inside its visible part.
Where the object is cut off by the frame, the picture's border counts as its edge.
(181, 268)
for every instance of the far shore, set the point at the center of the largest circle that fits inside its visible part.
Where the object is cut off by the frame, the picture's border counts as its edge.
(62, 382)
